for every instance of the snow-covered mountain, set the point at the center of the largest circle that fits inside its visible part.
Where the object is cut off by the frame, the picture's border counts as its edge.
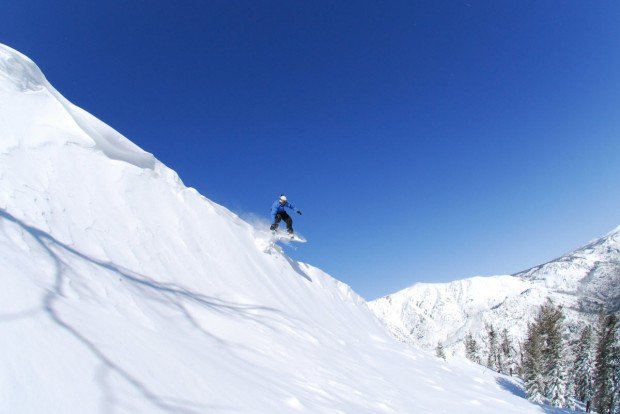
(580, 281)
(123, 291)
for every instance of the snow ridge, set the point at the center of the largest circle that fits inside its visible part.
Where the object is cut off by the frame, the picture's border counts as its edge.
(123, 291)
(20, 74)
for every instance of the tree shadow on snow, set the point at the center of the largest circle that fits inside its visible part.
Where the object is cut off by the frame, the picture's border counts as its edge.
(516, 388)
(511, 386)
(164, 292)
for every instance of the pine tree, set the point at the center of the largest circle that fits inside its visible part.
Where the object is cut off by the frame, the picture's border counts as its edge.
(439, 351)
(493, 355)
(584, 366)
(606, 378)
(570, 385)
(472, 350)
(545, 356)
(521, 360)
(533, 364)
(555, 374)
(507, 353)
(557, 377)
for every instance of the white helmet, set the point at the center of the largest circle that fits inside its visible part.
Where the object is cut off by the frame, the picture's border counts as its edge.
(283, 198)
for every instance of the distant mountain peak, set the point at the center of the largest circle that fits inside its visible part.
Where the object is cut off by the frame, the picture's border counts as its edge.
(581, 281)
(614, 232)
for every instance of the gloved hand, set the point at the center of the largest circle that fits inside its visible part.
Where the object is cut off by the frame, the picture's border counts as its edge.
(273, 227)
(299, 212)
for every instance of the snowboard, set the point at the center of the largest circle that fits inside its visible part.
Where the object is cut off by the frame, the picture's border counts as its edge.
(285, 237)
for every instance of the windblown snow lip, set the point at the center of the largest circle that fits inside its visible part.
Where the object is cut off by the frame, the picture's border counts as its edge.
(19, 73)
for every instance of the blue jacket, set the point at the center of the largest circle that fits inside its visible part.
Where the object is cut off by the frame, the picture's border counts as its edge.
(279, 208)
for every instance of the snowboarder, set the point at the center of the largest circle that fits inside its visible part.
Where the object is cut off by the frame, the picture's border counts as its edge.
(278, 213)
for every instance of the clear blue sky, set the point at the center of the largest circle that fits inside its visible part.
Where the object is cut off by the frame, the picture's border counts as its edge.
(423, 140)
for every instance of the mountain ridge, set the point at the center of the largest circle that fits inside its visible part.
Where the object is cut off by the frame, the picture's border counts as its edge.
(581, 281)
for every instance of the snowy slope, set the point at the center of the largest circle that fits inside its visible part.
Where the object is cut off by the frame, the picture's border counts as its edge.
(581, 281)
(126, 292)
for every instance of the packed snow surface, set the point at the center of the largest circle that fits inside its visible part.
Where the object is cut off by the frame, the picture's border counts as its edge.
(123, 291)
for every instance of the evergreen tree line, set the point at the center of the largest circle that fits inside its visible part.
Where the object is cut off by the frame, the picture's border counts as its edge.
(500, 354)
(554, 371)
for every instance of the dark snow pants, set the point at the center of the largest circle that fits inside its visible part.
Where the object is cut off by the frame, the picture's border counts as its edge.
(287, 219)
